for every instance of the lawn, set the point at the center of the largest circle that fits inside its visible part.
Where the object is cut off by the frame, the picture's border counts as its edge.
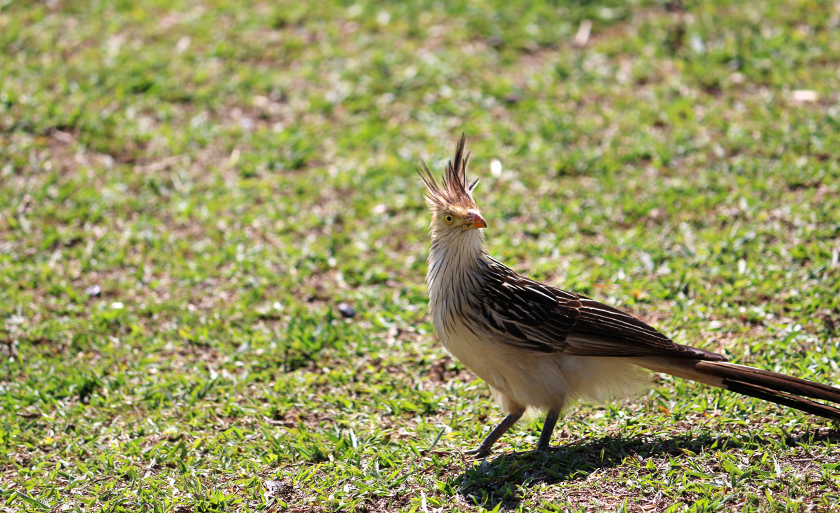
(213, 243)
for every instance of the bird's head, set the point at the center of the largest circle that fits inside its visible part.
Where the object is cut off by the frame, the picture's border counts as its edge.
(453, 208)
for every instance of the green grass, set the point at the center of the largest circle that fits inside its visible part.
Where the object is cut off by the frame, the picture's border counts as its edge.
(229, 172)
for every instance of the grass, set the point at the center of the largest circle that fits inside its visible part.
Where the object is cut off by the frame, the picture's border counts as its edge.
(190, 190)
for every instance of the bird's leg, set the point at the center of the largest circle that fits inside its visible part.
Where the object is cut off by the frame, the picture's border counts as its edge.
(548, 429)
(486, 446)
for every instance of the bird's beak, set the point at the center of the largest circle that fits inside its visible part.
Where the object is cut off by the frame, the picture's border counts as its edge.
(475, 220)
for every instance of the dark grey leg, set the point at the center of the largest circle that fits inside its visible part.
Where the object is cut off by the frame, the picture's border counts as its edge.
(548, 429)
(486, 446)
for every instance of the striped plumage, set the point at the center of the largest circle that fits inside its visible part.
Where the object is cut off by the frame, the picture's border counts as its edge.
(541, 347)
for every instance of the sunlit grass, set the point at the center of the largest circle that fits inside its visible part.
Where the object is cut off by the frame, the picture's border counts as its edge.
(190, 190)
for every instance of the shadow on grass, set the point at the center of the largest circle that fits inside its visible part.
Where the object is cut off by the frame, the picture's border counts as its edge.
(500, 480)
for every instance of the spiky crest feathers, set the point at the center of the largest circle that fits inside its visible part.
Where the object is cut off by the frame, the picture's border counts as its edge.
(456, 193)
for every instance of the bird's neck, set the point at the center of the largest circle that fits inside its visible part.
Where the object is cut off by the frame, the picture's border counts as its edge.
(452, 259)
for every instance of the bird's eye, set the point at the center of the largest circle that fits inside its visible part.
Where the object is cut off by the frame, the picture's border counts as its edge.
(448, 218)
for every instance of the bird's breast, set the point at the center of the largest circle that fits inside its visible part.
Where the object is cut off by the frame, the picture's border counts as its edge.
(454, 301)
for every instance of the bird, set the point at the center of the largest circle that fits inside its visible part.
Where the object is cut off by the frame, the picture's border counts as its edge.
(543, 348)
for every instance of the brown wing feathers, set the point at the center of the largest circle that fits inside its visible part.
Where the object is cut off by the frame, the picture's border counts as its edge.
(622, 330)
(550, 320)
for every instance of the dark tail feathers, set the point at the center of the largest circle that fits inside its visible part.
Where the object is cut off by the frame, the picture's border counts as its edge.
(762, 384)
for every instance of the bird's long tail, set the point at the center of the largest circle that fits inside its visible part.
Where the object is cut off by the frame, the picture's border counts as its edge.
(762, 384)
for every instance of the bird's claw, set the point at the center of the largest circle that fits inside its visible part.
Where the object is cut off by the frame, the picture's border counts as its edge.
(543, 449)
(480, 452)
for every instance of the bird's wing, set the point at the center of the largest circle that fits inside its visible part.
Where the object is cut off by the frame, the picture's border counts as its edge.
(526, 314)
(538, 318)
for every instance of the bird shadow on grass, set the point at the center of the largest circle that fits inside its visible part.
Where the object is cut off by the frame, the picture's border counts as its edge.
(490, 482)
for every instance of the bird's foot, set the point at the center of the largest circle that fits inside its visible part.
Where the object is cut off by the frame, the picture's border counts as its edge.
(479, 452)
(543, 449)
